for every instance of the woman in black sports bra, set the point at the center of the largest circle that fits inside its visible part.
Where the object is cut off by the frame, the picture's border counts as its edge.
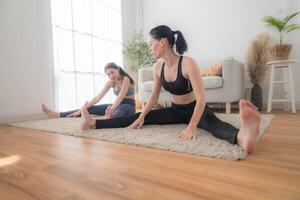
(180, 75)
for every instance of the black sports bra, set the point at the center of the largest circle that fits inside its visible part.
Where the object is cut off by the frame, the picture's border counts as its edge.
(180, 86)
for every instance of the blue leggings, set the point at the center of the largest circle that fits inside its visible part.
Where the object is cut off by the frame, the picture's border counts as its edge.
(125, 109)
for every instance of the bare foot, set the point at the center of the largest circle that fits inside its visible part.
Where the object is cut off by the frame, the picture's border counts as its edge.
(49, 113)
(250, 121)
(108, 113)
(87, 121)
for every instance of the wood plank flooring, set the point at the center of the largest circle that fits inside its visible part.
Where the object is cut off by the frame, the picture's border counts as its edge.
(40, 165)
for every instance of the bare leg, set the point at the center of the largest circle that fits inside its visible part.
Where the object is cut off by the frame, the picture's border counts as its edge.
(50, 113)
(87, 121)
(250, 120)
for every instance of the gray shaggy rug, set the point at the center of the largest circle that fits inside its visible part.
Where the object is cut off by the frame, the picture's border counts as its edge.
(155, 136)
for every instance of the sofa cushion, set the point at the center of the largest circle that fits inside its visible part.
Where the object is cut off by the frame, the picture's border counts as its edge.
(212, 82)
(147, 86)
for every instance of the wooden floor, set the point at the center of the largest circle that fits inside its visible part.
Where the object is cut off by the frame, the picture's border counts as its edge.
(39, 165)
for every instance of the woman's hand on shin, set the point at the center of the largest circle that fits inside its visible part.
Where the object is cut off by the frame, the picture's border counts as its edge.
(108, 113)
(74, 114)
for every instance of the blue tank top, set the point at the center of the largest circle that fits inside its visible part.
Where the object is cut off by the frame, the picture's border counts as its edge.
(130, 91)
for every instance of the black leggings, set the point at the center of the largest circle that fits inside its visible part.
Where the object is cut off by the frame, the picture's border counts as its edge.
(178, 114)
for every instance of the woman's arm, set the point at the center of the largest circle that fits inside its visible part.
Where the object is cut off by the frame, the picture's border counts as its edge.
(96, 99)
(152, 100)
(101, 94)
(123, 91)
(194, 75)
(156, 87)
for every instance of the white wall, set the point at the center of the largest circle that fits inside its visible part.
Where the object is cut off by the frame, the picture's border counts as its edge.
(132, 20)
(26, 57)
(26, 67)
(215, 29)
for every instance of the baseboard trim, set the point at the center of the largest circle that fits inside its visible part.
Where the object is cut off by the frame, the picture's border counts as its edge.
(275, 105)
(10, 119)
(284, 106)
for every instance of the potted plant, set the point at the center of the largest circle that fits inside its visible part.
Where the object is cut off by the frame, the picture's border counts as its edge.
(281, 51)
(256, 62)
(137, 51)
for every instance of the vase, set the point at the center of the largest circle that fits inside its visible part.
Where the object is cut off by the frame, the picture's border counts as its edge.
(256, 96)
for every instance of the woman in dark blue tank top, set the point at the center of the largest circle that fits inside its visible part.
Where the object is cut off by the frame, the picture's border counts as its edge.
(123, 88)
(180, 75)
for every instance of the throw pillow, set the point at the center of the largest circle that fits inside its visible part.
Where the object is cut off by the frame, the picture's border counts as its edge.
(213, 70)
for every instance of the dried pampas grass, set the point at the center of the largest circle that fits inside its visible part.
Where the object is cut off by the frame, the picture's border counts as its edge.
(257, 57)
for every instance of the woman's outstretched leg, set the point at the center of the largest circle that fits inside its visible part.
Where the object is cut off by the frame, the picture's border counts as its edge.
(98, 109)
(250, 121)
(89, 122)
(246, 137)
(50, 113)
(159, 117)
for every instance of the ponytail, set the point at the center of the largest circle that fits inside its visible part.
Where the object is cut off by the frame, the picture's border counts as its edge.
(180, 43)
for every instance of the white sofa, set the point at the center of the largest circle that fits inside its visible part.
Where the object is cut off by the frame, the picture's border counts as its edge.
(226, 89)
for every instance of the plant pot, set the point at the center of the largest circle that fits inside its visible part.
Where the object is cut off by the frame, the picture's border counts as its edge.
(280, 51)
(257, 96)
(138, 104)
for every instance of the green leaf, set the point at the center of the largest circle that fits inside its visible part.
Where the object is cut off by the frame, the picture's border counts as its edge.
(281, 25)
(292, 27)
(137, 51)
(274, 22)
(289, 17)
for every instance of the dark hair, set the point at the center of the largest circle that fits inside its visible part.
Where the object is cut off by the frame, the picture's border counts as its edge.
(164, 31)
(121, 71)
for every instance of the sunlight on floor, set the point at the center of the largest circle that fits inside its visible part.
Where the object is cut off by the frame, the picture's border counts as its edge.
(9, 160)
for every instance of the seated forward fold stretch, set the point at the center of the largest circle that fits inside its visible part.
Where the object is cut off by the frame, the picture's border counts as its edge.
(123, 88)
(181, 76)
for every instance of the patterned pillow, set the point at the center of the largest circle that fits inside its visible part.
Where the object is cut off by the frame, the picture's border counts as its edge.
(213, 70)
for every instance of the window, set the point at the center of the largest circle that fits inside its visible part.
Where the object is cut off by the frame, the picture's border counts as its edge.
(87, 34)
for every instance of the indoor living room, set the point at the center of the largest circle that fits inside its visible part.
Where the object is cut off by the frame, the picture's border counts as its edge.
(78, 76)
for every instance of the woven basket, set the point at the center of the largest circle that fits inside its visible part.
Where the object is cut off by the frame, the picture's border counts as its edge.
(280, 51)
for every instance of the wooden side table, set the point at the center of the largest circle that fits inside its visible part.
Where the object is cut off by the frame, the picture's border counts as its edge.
(281, 64)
